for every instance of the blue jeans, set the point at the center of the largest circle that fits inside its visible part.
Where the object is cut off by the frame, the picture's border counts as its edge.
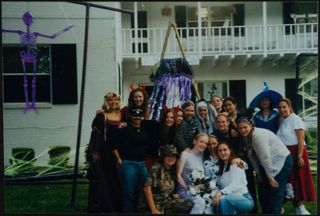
(271, 199)
(235, 204)
(133, 175)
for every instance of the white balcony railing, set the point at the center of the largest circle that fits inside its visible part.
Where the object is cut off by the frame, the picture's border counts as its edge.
(232, 40)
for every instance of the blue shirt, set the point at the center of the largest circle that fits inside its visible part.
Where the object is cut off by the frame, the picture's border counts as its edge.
(270, 122)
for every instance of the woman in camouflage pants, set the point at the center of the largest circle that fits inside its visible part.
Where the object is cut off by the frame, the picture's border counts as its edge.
(158, 197)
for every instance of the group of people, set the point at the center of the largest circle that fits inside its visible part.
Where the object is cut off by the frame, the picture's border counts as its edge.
(204, 158)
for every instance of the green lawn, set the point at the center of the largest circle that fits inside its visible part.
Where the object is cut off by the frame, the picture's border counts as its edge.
(56, 199)
(44, 198)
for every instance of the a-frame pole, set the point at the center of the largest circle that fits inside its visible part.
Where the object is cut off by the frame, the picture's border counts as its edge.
(83, 81)
(84, 66)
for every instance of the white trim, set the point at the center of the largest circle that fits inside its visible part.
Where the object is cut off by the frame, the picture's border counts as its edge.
(21, 105)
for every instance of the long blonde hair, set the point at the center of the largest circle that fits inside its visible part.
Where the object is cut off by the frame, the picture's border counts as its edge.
(105, 105)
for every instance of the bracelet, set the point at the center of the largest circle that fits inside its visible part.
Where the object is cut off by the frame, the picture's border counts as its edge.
(299, 155)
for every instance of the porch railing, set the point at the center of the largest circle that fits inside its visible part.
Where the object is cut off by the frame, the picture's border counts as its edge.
(231, 40)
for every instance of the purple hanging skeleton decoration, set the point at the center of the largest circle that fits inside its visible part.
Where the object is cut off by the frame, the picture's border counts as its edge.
(29, 56)
(172, 85)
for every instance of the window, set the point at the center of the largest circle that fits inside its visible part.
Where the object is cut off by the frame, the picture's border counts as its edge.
(13, 76)
(234, 88)
(56, 74)
(221, 16)
(208, 89)
(300, 12)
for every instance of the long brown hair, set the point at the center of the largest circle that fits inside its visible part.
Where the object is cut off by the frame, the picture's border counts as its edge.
(167, 135)
(206, 153)
(221, 162)
(145, 101)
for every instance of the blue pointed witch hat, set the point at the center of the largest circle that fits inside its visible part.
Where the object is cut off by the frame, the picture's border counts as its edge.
(266, 93)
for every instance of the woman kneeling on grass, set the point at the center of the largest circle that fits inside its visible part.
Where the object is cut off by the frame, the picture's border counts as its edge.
(234, 197)
(158, 194)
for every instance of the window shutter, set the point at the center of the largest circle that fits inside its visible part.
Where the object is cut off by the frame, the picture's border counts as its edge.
(238, 18)
(287, 9)
(64, 74)
(291, 86)
(237, 89)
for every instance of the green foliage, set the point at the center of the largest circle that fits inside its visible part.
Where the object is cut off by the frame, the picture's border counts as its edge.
(22, 155)
(59, 155)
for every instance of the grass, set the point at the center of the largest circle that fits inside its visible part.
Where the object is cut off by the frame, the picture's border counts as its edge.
(56, 199)
(44, 198)
(310, 206)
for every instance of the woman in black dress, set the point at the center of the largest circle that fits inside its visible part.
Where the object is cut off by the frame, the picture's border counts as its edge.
(104, 190)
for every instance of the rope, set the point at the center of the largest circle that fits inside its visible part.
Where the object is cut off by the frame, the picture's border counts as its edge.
(174, 26)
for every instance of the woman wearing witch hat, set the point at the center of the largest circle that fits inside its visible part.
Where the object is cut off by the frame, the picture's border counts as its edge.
(266, 117)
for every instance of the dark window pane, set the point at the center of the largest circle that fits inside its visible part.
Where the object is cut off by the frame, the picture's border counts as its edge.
(14, 90)
(238, 18)
(64, 74)
(181, 19)
(291, 93)
(237, 89)
(144, 48)
(12, 60)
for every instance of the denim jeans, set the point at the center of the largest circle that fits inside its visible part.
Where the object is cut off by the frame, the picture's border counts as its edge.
(271, 199)
(133, 175)
(235, 204)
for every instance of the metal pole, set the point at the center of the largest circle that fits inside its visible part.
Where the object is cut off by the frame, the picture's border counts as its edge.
(102, 7)
(1, 138)
(84, 65)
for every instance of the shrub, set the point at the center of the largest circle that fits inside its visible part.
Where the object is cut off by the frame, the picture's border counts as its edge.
(59, 155)
(22, 155)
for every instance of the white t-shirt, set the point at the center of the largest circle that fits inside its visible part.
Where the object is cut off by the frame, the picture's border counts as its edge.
(287, 128)
(234, 181)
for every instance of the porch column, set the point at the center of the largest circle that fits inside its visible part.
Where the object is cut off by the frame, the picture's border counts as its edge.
(264, 18)
(199, 30)
(135, 10)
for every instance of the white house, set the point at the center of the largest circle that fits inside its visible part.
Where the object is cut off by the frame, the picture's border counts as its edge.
(56, 122)
(241, 45)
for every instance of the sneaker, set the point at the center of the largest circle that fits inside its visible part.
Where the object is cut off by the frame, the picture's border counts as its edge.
(282, 211)
(297, 211)
(304, 212)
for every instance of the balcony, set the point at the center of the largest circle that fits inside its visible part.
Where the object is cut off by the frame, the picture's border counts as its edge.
(222, 41)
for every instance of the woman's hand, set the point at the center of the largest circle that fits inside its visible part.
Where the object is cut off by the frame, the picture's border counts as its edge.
(155, 211)
(119, 162)
(122, 125)
(300, 162)
(216, 199)
(273, 182)
(188, 149)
